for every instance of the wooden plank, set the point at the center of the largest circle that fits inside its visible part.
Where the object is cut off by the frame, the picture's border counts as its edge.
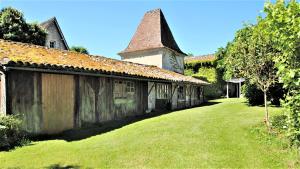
(23, 98)
(2, 94)
(58, 100)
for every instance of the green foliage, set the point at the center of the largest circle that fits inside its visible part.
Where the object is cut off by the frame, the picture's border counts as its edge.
(79, 49)
(195, 65)
(188, 72)
(213, 91)
(271, 46)
(11, 134)
(253, 95)
(283, 20)
(14, 27)
(209, 74)
(279, 122)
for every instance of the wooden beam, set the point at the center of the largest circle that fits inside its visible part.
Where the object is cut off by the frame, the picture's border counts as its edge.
(151, 88)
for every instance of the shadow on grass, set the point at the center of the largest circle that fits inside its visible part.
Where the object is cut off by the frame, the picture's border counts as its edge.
(96, 129)
(58, 166)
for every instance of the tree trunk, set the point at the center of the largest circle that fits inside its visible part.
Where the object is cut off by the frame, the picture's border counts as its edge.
(266, 111)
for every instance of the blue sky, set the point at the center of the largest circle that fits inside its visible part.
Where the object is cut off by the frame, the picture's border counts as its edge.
(106, 27)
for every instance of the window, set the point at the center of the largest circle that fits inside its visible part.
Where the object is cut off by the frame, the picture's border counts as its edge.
(162, 91)
(180, 92)
(52, 44)
(123, 88)
(130, 87)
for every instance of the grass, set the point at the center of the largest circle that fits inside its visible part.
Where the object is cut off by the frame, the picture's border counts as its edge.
(227, 134)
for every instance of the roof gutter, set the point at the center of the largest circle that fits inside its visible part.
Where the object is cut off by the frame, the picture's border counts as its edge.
(7, 68)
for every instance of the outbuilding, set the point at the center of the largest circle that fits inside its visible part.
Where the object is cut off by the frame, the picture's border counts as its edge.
(55, 90)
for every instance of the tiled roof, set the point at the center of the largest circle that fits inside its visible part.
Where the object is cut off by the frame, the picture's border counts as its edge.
(27, 55)
(153, 32)
(204, 58)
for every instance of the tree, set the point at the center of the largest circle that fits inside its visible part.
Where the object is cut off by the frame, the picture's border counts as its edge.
(14, 27)
(79, 49)
(251, 56)
(283, 20)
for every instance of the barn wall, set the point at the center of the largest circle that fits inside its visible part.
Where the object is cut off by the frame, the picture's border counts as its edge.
(174, 96)
(181, 101)
(195, 100)
(133, 104)
(188, 96)
(2, 93)
(51, 103)
(163, 104)
(24, 99)
(97, 103)
(57, 102)
(92, 100)
(151, 96)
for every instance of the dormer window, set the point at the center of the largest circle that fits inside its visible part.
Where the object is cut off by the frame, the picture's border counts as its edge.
(52, 44)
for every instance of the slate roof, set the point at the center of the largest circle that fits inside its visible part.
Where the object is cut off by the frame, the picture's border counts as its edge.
(204, 58)
(16, 54)
(54, 21)
(153, 32)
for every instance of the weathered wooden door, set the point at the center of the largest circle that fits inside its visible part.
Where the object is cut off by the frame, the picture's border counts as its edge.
(57, 102)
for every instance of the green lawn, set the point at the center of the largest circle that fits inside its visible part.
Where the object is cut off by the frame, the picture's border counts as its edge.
(222, 135)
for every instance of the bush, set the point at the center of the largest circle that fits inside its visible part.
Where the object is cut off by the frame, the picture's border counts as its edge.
(253, 94)
(256, 97)
(11, 134)
(276, 93)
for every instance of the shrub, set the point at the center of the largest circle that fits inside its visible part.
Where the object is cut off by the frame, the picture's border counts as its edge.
(188, 72)
(276, 93)
(253, 94)
(256, 97)
(11, 134)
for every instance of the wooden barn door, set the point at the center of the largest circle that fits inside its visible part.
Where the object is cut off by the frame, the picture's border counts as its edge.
(58, 102)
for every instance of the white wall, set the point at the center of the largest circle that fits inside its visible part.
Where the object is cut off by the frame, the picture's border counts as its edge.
(173, 61)
(149, 57)
(53, 35)
(162, 58)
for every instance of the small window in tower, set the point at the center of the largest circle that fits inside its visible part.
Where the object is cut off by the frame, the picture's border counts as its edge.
(52, 44)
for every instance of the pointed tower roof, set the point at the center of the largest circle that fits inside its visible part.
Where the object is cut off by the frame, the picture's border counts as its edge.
(153, 32)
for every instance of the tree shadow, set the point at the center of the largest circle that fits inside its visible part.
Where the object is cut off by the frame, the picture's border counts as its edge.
(58, 166)
(210, 103)
(101, 128)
